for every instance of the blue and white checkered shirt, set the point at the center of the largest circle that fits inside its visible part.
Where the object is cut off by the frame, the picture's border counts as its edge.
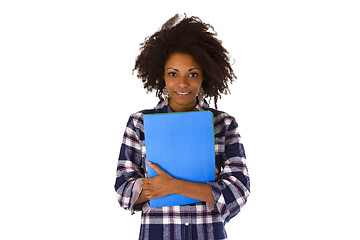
(195, 221)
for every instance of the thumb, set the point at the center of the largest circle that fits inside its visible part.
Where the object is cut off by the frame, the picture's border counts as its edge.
(155, 167)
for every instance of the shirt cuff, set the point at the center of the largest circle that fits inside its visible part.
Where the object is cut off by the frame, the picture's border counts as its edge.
(146, 207)
(136, 191)
(210, 206)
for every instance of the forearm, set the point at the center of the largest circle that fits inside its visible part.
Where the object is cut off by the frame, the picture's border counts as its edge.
(163, 184)
(199, 191)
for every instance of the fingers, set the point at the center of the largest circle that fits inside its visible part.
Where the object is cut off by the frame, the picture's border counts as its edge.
(146, 188)
(145, 184)
(147, 194)
(146, 181)
(155, 167)
(216, 174)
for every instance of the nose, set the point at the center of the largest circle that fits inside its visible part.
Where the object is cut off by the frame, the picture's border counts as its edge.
(183, 82)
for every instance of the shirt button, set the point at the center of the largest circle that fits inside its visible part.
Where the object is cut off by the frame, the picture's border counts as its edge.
(187, 224)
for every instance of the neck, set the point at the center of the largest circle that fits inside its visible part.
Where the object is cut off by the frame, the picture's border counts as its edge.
(182, 108)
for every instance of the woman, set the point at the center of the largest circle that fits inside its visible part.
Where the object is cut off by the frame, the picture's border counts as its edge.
(184, 62)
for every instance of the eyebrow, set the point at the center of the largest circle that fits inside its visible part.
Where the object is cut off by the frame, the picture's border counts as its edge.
(178, 70)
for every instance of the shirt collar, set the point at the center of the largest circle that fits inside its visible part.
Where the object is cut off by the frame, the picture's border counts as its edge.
(162, 107)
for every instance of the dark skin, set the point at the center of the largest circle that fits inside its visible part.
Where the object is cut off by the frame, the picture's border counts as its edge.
(163, 184)
(183, 77)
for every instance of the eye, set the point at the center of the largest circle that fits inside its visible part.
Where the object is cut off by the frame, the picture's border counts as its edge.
(172, 74)
(193, 74)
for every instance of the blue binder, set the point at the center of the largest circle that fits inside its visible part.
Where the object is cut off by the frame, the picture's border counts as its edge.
(182, 144)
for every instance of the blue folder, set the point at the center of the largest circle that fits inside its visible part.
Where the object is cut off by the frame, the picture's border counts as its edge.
(182, 144)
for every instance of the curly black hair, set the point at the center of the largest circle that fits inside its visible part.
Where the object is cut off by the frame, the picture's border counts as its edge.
(191, 36)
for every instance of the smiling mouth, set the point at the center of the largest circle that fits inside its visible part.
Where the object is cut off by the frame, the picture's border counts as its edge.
(182, 93)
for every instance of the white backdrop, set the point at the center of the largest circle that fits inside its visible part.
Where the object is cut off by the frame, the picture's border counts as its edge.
(67, 91)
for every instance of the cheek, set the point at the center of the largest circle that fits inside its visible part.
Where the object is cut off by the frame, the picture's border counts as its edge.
(198, 85)
(168, 84)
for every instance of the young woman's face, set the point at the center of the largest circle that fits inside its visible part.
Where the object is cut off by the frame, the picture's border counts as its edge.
(183, 77)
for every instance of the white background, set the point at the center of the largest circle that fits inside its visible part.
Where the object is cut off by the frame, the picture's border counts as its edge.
(67, 91)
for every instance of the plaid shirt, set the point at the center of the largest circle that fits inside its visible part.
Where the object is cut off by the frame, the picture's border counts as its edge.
(195, 221)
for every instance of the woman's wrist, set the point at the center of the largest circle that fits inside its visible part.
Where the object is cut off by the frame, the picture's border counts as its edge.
(200, 191)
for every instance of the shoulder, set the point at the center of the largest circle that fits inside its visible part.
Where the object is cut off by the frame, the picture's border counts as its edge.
(223, 119)
(136, 119)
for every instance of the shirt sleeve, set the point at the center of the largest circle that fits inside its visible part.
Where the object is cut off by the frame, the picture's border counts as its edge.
(129, 171)
(232, 188)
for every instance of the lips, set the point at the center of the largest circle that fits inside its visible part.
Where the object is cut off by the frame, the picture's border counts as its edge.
(183, 93)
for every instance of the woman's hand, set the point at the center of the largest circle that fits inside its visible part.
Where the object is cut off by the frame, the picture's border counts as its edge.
(159, 186)
(216, 174)
(163, 184)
